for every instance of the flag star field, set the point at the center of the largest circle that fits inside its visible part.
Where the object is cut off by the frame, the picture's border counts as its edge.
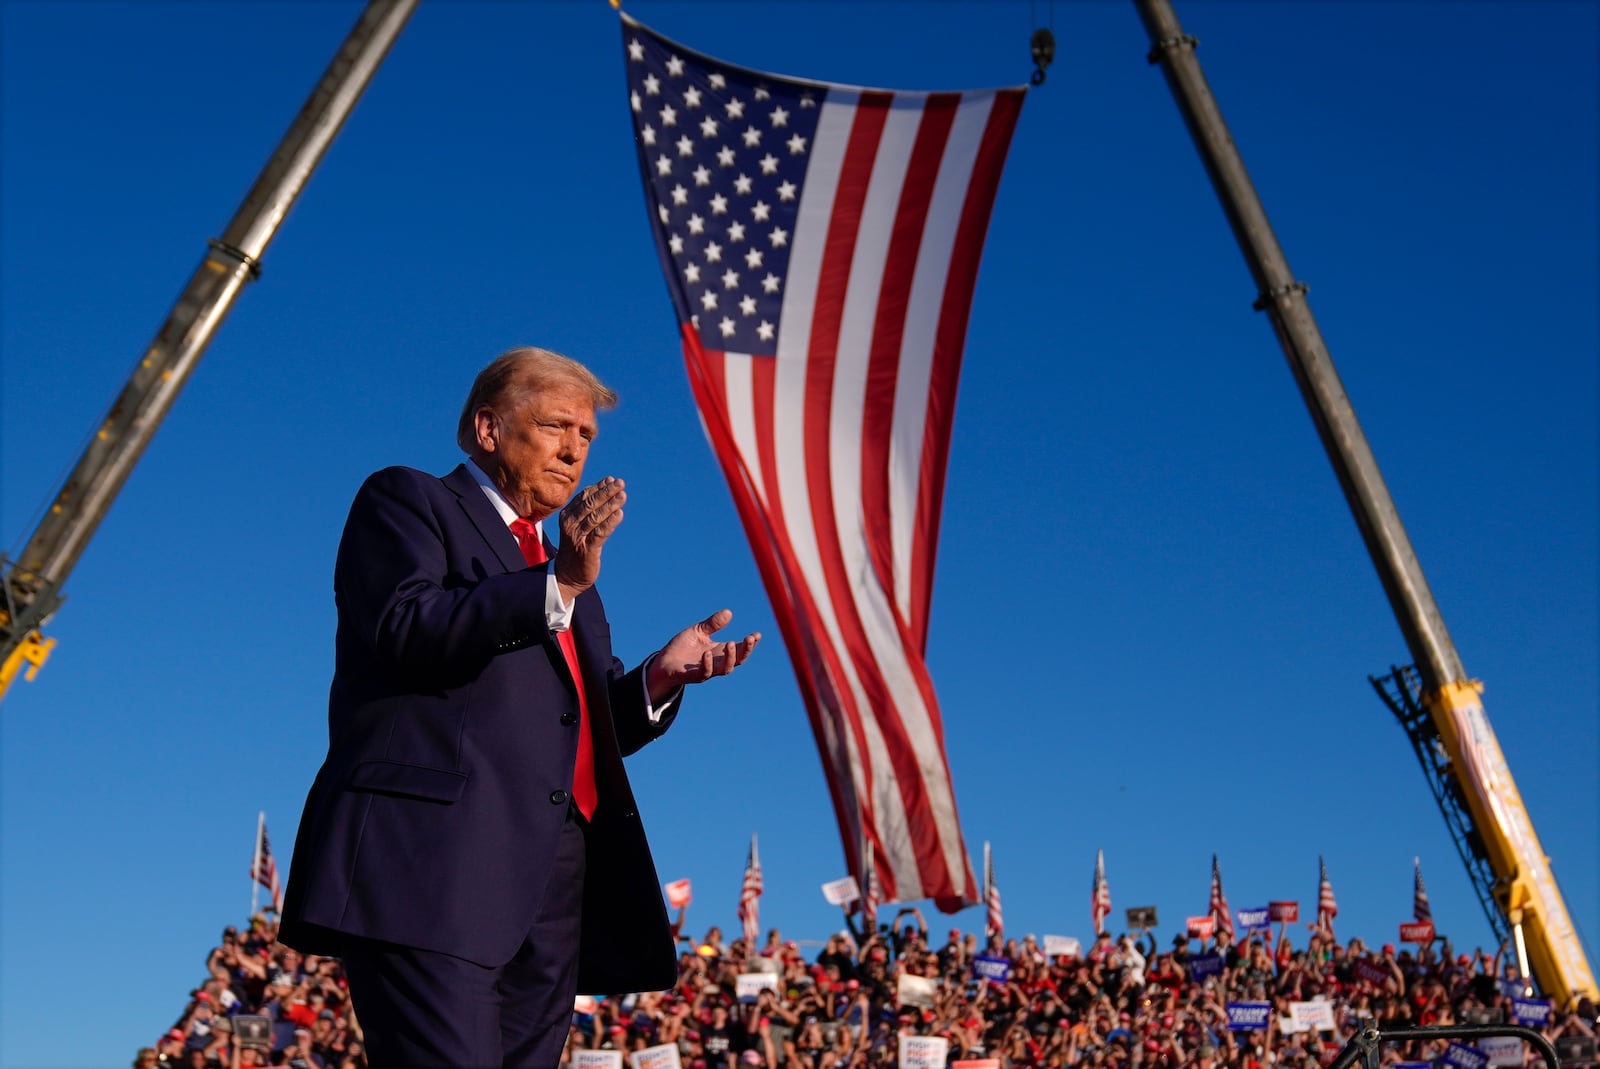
(725, 151)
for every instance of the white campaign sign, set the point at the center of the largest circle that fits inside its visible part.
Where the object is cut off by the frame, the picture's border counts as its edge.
(751, 984)
(1502, 1050)
(840, 892)
(1289, 1026)
(597, 1059)
(1056, 946)
(917, 991)
(662, 1057)
(923, 1052)
(1314, 1016)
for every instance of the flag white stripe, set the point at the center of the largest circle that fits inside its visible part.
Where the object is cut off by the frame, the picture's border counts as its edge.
(740, 402)
(739, 397)
(922, 323)
(788, 430)
(873, 607)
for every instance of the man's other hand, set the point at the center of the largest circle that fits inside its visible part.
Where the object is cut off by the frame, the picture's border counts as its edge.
(692, 656)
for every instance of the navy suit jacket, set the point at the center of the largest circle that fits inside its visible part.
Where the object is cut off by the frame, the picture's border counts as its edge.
(452, 726)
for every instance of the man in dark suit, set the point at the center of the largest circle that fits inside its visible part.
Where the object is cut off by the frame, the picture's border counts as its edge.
(471, 847)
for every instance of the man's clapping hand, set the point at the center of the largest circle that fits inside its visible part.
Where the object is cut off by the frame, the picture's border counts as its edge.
(692, 656)
(586, 523)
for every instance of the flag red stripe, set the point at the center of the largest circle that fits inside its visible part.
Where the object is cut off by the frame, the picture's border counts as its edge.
(950, 339)
(814, 662)
(708, 384)
(813, 656)
(819, 655)
(827, 316)
(922, 172)
(894, 298)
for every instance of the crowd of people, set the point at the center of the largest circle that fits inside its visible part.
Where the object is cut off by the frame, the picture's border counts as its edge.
(262, 1004)
(1125, 1002)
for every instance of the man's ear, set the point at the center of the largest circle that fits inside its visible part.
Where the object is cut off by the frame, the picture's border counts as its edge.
(486, 429)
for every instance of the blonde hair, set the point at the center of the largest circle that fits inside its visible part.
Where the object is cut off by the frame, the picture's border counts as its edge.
(517, 374)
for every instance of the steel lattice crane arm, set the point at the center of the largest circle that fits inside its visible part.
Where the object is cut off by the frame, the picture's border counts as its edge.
(1467, 763)
(32, 583)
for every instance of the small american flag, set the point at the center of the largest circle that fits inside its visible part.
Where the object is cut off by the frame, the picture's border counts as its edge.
(1420, 910)
(995, 925)
(1327, 908)
(820, 244)
(1219, 901)
(750, 899)
(264, 868)
(1100, 896)
(871, 894)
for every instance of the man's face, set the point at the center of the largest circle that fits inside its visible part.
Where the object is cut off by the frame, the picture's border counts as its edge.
(536, 450)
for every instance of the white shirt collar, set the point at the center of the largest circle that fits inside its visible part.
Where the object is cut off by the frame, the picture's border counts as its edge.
(497, 499)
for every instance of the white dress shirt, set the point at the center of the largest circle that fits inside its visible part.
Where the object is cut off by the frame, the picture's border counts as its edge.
(557, 611)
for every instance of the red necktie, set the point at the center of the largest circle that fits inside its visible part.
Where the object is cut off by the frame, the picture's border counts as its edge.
(583, 788)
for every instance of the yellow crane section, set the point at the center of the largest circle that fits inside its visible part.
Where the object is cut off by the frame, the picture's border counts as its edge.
(1436, 701)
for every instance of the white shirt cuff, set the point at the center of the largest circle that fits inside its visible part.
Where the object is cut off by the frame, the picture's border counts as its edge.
(557, 611)
(650, 709)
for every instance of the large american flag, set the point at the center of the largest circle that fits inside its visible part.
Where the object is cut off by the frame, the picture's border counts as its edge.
(1219, 901)
(1100, 894)
(750, 900)
(1327, 908)
(1420, 910)
(820, 244)
(264, 868)
(995, 922)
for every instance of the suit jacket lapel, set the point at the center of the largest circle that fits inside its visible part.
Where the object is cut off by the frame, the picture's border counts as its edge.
(500, 539)
(484, 517)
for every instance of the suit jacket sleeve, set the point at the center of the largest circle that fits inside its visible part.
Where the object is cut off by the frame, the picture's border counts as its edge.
(397, 593)
(629, 709)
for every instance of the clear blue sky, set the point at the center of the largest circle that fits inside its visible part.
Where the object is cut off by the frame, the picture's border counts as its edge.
(1153, 617)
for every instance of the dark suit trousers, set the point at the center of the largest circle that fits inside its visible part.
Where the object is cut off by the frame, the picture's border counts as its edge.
(425, 1010)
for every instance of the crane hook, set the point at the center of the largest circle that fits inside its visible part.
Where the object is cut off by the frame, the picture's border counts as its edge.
(1044, 53)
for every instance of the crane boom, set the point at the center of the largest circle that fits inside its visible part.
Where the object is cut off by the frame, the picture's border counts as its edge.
(32, 583)
(1524, 889)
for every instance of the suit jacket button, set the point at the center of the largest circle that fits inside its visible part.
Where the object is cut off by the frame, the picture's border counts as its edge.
(569, 719)
(558, 797)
